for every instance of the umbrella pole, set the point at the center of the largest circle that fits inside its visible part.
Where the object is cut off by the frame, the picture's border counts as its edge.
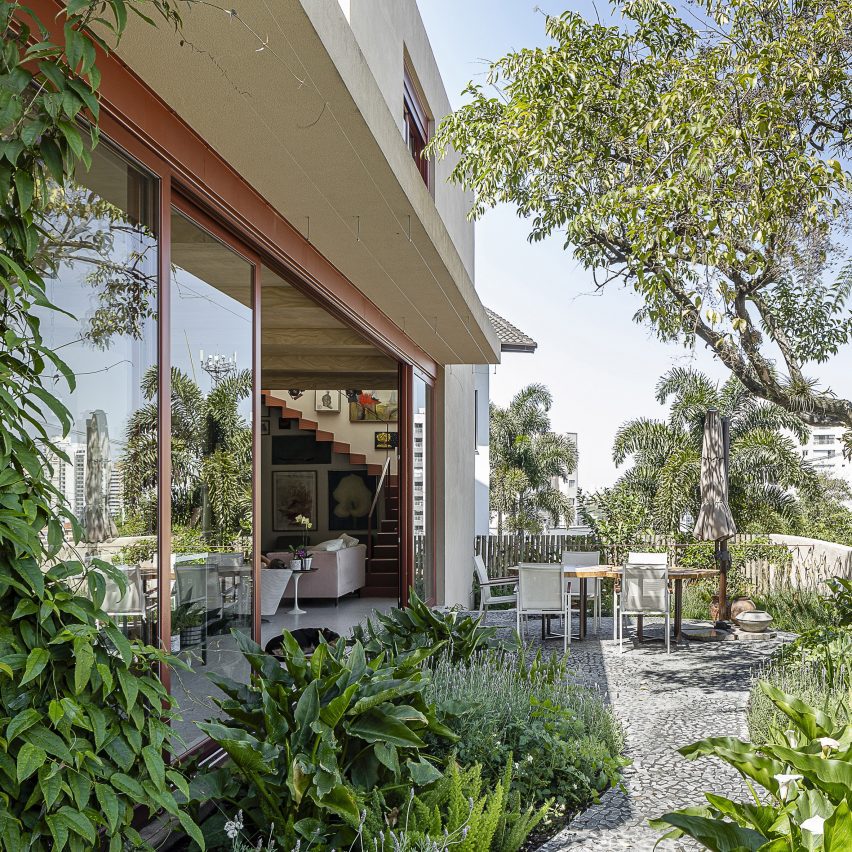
(723, 586)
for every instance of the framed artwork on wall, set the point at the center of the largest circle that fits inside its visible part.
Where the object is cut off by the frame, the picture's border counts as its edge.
(294, 492)
(327, 400)
(386, 440)
(373, 406)
(350, 495)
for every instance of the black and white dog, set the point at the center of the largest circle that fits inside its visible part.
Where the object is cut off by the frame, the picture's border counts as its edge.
(307, 637)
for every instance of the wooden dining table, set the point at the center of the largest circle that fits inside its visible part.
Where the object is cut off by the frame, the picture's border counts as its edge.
(613, 572)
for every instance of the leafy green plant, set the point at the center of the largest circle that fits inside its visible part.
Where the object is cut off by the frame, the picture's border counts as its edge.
(309, 738)
(567, 744)
(806, 771)
(419, 627)
(458, 811)
(84, 718)
(186, 615)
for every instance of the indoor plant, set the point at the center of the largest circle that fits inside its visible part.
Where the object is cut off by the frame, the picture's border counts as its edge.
(187, 620)
(301, 558)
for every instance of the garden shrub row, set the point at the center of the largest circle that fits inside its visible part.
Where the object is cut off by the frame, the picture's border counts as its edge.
(422, 730)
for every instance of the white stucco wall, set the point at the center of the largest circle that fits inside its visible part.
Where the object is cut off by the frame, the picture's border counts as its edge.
(482, 515)
(385, 32)
(455, 476)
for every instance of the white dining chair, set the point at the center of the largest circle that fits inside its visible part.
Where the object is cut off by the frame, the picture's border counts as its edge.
(487, 597)
(645, 591)
(585, 559)
(543, 590)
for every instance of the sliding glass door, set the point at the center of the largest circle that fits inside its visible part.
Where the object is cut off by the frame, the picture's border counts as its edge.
(212, 462)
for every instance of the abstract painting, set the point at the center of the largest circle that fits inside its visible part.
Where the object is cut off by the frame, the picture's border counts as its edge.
(294, 492)
(373, 406)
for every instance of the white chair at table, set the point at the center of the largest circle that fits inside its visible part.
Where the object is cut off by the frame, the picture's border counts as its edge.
(645, 591)
(273, 584)
(585, 559)
(543, 590)
(487, 598)
(131, 605)
(198, 585)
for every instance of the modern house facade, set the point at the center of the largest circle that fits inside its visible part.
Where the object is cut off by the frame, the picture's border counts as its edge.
(271, 314)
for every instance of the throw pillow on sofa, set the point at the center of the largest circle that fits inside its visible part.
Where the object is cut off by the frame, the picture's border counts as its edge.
(330, 546)
(349, 541)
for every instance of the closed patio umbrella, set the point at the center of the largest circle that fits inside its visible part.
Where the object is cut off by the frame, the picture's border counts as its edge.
(715, 522)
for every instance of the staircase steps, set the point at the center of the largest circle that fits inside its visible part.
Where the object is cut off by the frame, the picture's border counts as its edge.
(382, 576)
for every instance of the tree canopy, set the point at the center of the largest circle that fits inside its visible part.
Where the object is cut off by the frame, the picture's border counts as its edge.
(526, 459)
(766, 467)
(698, 160)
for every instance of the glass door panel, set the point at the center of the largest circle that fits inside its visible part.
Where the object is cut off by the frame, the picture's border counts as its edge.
(421, 521)
(212, 464)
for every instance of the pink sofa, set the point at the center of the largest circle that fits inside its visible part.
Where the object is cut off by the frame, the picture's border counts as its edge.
(337, 573)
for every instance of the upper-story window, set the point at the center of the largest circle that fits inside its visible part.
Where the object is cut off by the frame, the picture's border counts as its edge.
(823, 439)
(416, 128)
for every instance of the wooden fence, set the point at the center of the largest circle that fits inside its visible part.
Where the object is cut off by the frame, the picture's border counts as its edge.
(499, 553)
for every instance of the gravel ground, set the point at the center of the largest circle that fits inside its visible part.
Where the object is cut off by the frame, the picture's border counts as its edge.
(663, 702)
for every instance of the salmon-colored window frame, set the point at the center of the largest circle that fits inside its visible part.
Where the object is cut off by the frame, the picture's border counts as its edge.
(196, 180)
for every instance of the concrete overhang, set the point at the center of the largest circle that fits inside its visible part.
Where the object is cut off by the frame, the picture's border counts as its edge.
(302, 120)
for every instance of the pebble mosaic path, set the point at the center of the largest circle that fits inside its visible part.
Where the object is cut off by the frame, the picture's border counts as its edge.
(663, 702)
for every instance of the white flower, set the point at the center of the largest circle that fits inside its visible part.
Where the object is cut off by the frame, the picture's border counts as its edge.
(813, 825)
(827, 744)
(792, 737)
(784, 782)
(234, 826)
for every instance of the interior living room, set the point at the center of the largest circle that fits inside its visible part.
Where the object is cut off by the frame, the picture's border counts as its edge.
(329, 492)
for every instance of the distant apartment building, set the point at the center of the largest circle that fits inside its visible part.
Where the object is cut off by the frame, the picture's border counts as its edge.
(569, 487)
(419, 478)
(69, 477)
(824, 451)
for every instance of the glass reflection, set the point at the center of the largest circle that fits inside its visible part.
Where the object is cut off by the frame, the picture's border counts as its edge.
(424, 566)
(98, 257)
(212, 380)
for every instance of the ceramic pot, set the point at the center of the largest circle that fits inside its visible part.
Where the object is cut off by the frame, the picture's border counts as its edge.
(715, 614)
(306, 563)
(296, 564)
(755, 621)
(741, 604)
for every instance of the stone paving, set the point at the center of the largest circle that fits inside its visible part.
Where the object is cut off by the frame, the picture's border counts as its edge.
(663, 702)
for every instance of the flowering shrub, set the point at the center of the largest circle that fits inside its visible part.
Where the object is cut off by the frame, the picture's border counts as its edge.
(806, 772)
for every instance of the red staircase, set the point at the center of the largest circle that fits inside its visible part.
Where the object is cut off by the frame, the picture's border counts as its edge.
(383, 563)
(322, 437)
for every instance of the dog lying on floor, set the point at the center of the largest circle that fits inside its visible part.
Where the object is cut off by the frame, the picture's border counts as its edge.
(307, 637)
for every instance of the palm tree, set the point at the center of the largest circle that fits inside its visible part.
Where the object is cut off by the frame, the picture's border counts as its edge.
(527, 460)
(211, 456)
(765, 465)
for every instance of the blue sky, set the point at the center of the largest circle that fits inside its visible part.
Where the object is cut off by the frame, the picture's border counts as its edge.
(600, 366)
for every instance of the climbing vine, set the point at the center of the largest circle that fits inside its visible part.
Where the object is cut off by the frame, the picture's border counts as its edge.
(83, 717)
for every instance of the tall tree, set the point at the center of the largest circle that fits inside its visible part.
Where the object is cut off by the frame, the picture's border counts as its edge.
(527, 459)
(765, 463)
(698, 160)
(211, 456)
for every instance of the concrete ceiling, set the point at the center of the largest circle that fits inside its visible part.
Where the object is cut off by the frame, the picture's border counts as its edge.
(304, 347)
(288, 123)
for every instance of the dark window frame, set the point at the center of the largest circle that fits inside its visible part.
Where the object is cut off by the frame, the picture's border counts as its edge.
(416, 125)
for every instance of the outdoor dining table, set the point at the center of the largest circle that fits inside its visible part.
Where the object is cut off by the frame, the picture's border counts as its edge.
(613, 572)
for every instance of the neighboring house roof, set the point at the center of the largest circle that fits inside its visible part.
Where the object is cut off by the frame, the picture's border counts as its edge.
(512, 339)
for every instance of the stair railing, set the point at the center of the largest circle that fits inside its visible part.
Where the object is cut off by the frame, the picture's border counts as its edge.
(381, 484)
